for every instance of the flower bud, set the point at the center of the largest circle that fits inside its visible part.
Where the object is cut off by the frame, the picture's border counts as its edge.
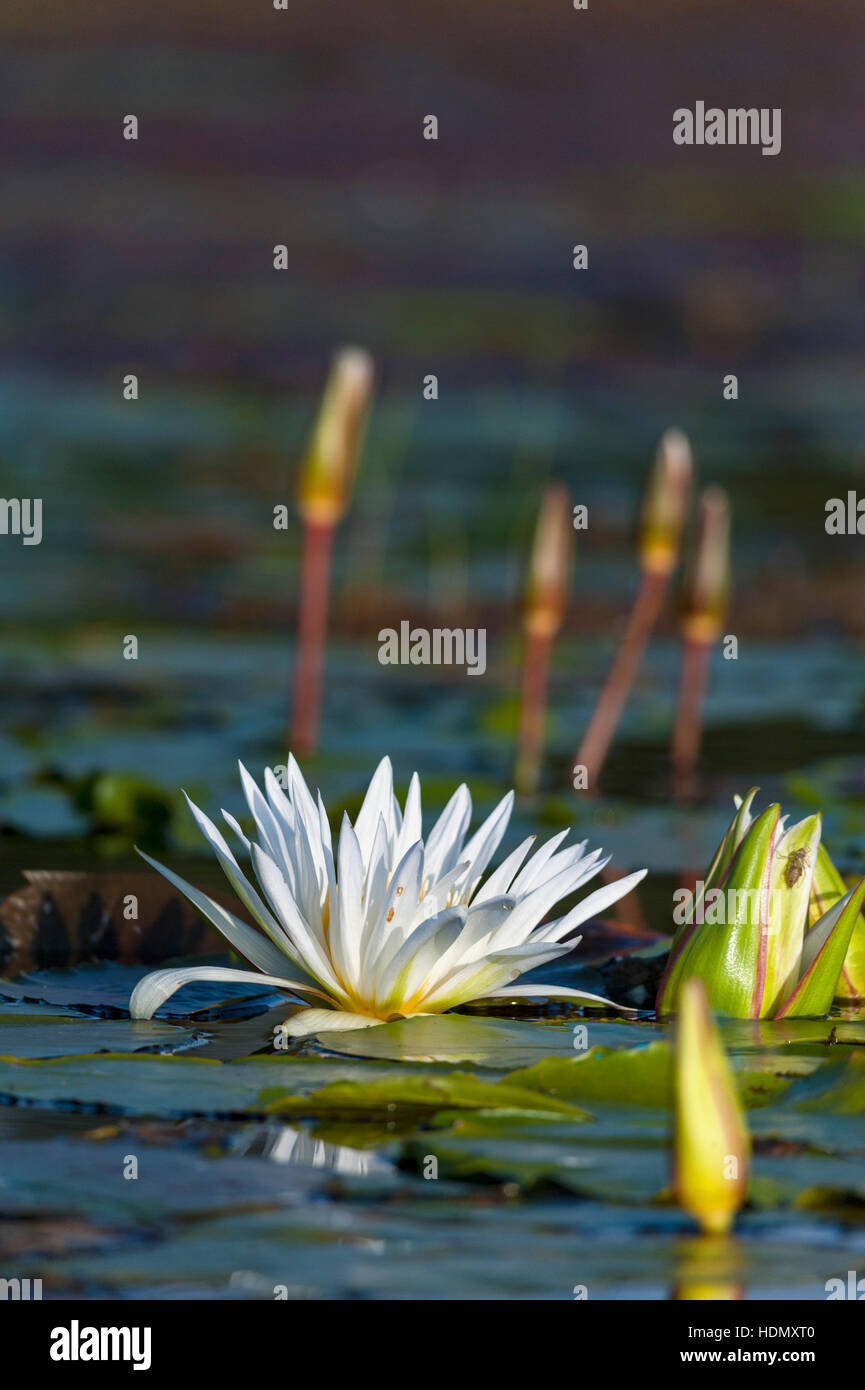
(550, 566)
(753, 936)
(826, 890)
(711, 1147)
(328, 470)
(707, 584)
(665, 504)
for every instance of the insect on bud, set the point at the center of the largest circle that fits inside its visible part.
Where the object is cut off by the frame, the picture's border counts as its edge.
(328, 470)
(665, 504)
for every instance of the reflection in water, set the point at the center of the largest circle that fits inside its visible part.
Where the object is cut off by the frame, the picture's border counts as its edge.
(283, 1144)
(709, 1267)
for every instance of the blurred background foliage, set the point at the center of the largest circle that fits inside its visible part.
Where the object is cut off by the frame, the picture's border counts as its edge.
(303, 128)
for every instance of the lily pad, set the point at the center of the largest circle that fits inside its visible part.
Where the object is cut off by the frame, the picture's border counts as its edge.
(402, 1095)
(639, 1076)
(485, 1042)
(32, 1031)
(146, 1084)
(838, 1087)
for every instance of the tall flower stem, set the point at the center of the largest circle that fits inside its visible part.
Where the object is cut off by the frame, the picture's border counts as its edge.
(533, 710)
(599, 735)
(545, 603)
(665, 506)
(688, 730)
(312, 633)
(704, 609)
(324, 492)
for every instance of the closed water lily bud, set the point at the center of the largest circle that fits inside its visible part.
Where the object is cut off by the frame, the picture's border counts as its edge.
(711, 1146)
(328, 470)
(550, 568)
(707, 584)
(665, 504)
(751, 935)
(827, 889)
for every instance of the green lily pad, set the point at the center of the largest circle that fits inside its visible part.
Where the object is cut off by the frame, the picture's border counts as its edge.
(838, 1087)
(485, 1042)
(408, 1095)
(44, 1034)
(147, 1084)
(639, 1076)
(579, 1159)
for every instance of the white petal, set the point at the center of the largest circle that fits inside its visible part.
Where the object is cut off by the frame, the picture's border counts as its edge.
(596, 903)
(346, 922)
(439, 894)
(286, 848)
(476, 979)
(531, 874)
(375, 887)
(282, 810)
(446, 837)
(311, 876)
(411, 829)
(260, 951)
(235, 826)
(305, 810)
(481, 923)
(377, 802)
(154, 989)
(531, 909)
(268, 829)
(308, 949)
(395, 921)
(501, 878)
(235, 875)
(424, 966)
(307, 1021)
(485, 841)
(542, 991)
(388, 991)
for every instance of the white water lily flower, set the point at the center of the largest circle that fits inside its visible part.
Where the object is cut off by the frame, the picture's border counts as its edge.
(390, 925)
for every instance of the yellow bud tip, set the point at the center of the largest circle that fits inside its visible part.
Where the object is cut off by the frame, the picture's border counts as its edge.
(711, 1147)
(328, 470)
(665, 505)
(707, 585)
(550, 565)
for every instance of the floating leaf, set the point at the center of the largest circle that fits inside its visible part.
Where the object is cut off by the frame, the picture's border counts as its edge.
(838, 1087)
(486, 1042)
(640, 1076)
(146, 1084)
(400, 1095)
(36, 1031)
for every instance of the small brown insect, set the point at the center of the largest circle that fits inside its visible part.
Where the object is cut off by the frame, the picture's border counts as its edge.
(795, 868)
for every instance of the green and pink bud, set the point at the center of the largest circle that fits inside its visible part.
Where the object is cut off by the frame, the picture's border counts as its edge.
(752, 935)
